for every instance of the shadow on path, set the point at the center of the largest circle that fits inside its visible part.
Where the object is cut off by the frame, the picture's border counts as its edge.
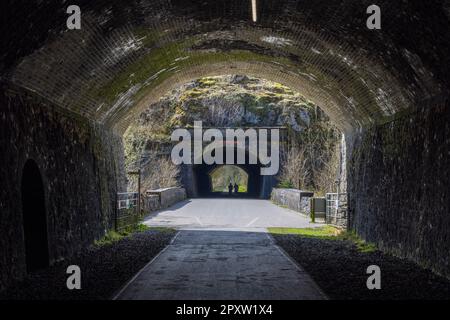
(221, 265)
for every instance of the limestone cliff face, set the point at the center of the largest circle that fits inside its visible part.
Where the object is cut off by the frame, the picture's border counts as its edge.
(231, 101)
(226, 101)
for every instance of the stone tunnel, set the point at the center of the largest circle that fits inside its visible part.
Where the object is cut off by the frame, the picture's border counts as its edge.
(67, 96)
(196, 179)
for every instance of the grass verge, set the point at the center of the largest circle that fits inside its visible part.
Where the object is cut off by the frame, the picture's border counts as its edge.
(327, 233)
(114, 236)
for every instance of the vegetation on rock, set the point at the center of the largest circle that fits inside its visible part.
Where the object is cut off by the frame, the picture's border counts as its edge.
(237, 101)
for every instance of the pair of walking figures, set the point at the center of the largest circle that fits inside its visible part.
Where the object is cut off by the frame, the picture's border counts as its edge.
(231, 187)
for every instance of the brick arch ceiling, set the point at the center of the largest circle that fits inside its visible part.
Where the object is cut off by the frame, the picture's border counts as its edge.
(129, 54)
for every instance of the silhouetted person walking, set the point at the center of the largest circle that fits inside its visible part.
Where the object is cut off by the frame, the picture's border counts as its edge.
(236, 188)
(230, 188)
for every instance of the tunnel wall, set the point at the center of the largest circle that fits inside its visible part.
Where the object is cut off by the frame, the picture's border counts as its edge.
(399, 174)
(79, 165)
(188, 180)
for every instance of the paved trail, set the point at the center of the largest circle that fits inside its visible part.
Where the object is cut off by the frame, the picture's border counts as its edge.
(239, 214)
(221, 252)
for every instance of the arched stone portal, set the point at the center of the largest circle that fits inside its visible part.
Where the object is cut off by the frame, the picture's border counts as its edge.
(34, 218)
(387, 90)
(197, 181)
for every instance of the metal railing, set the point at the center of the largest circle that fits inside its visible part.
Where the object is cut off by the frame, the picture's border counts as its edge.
(332, 207)
(127, 210)
(127, 200)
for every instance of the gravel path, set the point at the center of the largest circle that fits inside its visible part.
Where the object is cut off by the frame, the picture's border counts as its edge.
(104, 270)
(340, 270)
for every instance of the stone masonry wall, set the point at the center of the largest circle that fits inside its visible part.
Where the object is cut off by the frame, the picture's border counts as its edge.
(339, 218)
(166, 197)
(79, 165)
(399, 178)
(293, 199)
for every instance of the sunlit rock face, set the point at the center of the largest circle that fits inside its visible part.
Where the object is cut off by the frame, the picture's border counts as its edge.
(226, 101)
(233, 101)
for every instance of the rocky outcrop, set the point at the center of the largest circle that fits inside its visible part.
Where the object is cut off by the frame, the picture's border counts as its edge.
(225, 101)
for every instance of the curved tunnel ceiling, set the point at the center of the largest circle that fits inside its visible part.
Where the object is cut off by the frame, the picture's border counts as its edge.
(127, 55)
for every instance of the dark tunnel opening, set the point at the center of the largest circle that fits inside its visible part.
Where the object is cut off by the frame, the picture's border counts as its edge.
(258, 186)
(205, 185)
(34, 218)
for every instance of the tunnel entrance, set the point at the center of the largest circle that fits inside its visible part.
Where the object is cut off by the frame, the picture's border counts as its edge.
(225, 176)
(207, 178)
(34, 218)
(250, 175)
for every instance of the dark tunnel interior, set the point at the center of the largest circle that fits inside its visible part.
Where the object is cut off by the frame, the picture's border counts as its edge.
(34, 218)
(203, 179)
(204, 184)
(70, 95)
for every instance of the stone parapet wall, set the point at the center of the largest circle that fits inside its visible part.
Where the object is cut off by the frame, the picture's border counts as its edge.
(340, 217)
(150, 203)
(342, 214)
(293, 199)
(163, 198)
